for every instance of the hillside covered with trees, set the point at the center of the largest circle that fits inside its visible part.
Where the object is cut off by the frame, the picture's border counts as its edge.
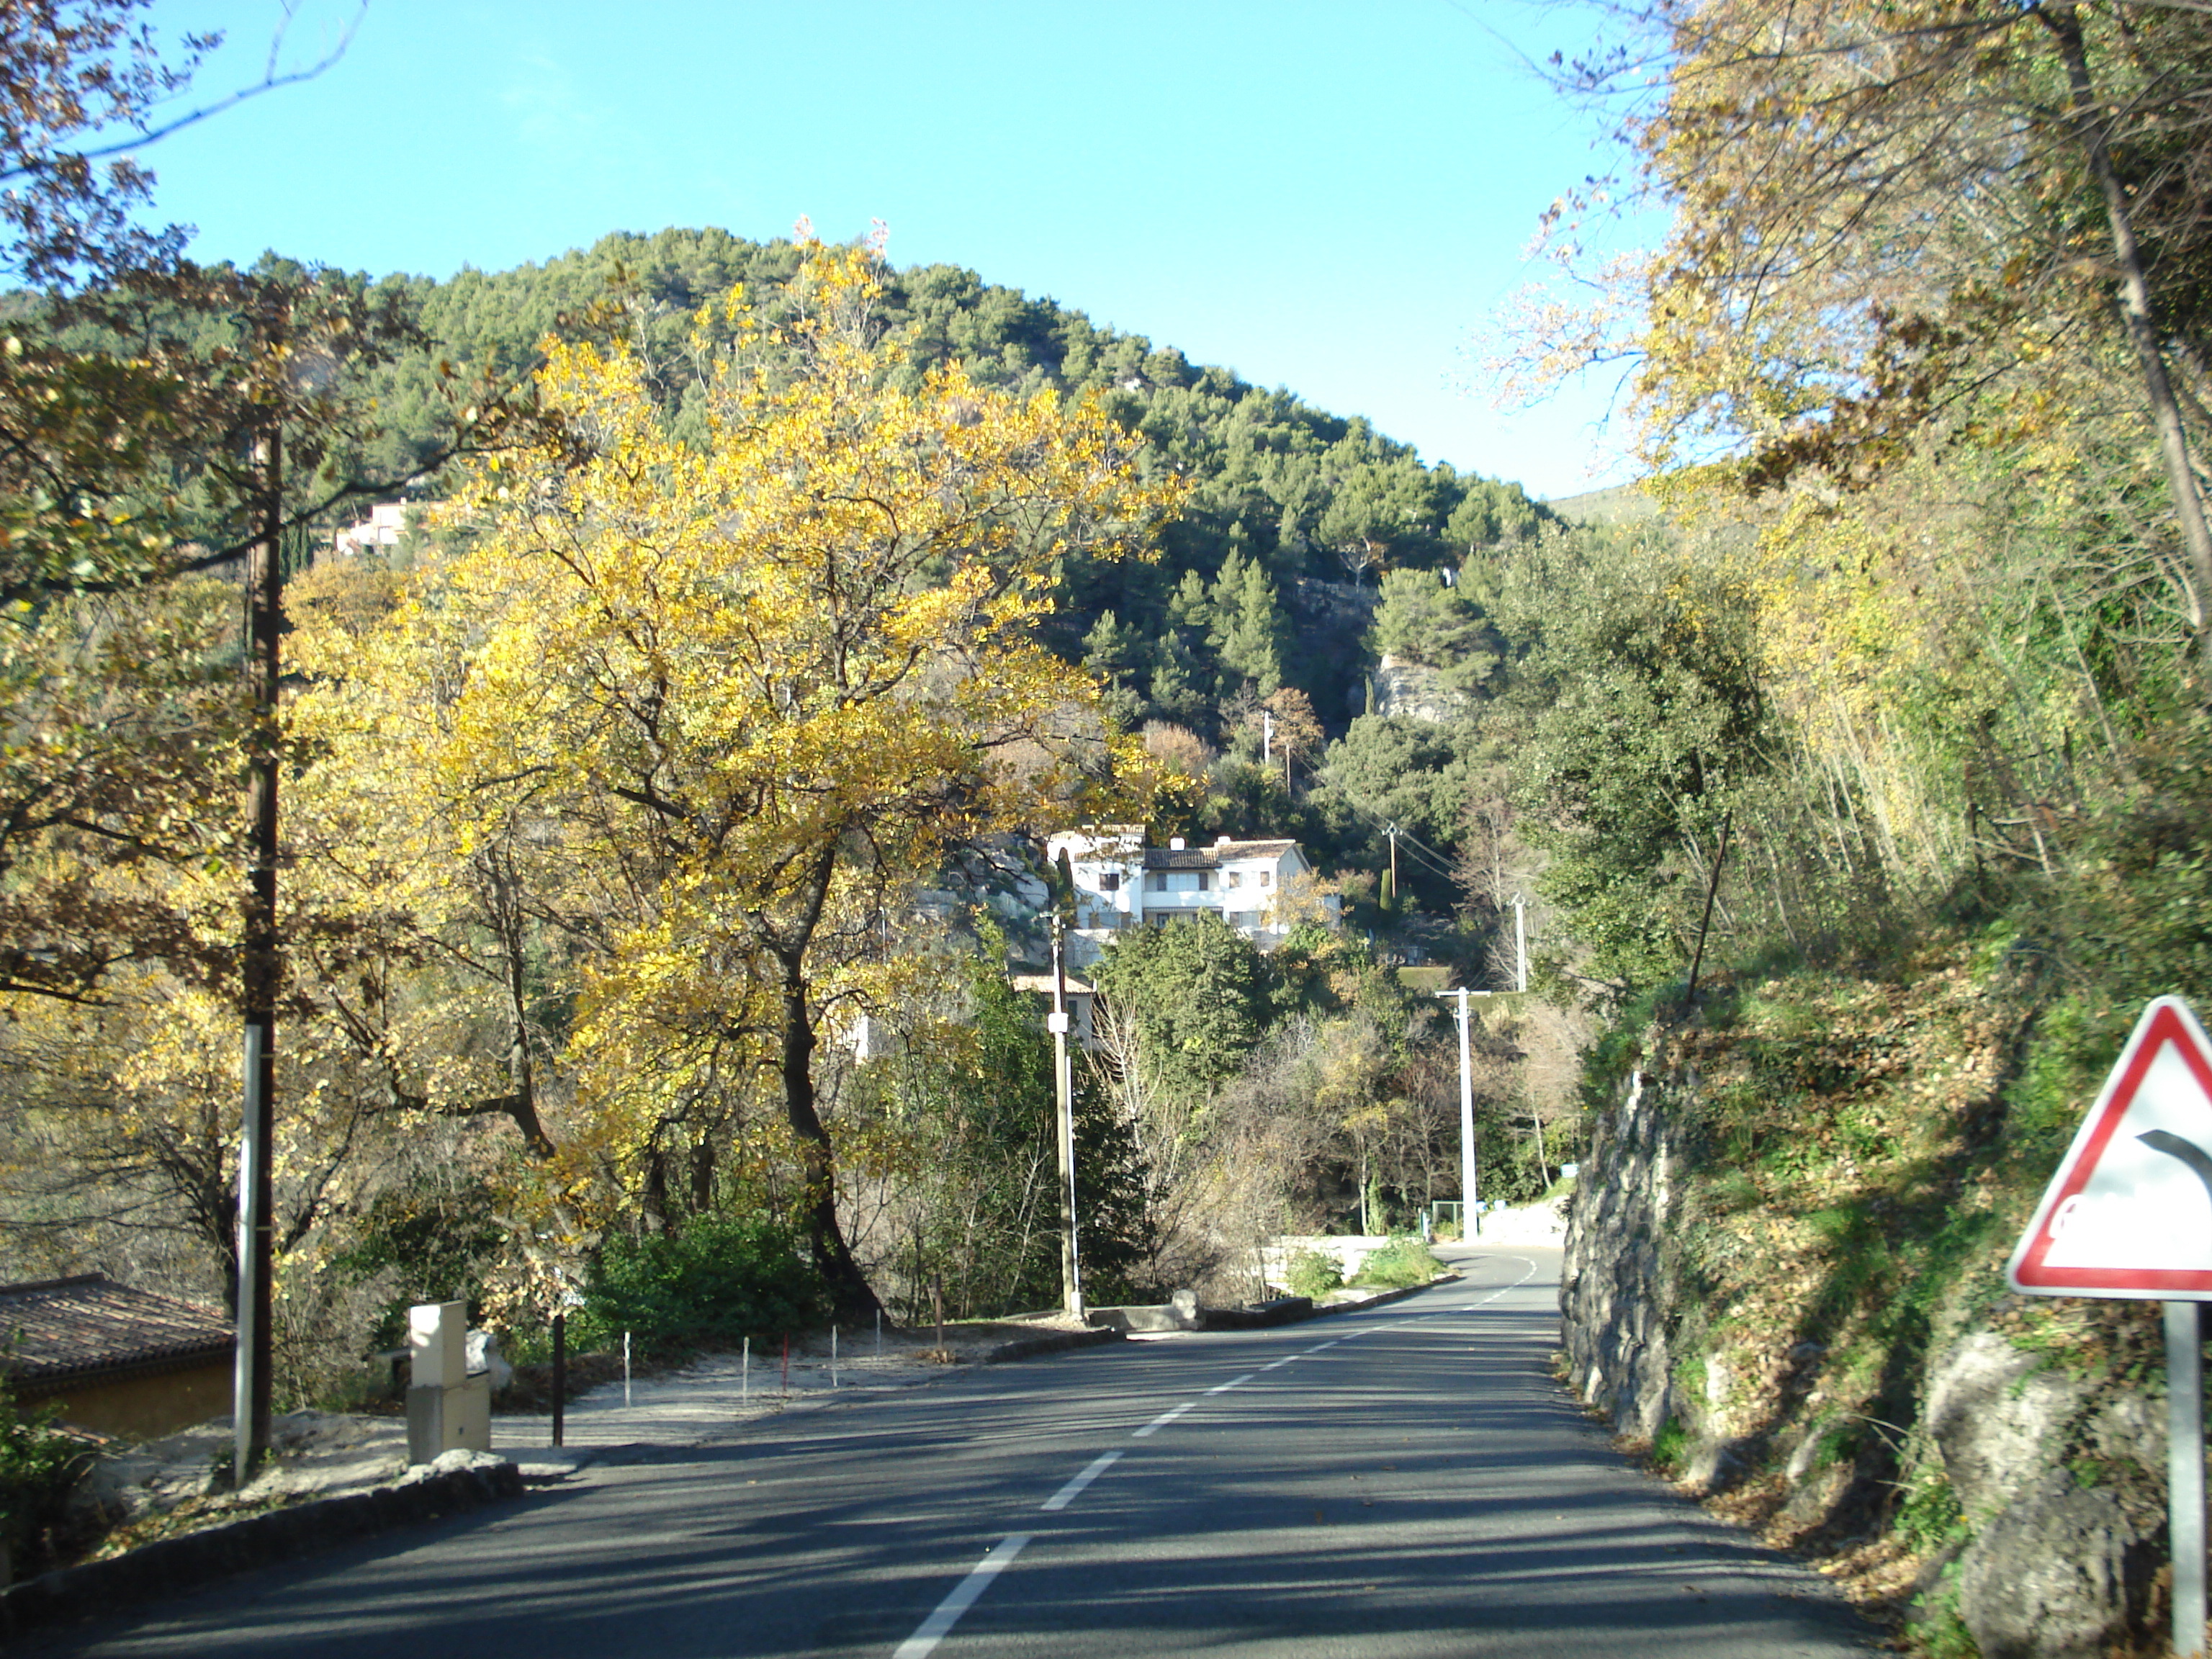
(759, 591)
(650, 811)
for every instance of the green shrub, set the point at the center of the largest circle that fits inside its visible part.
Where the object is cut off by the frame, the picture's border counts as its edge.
(1310, 1273)
(722, 1277)
(39, 1465)
(1404, 1261)
(1930, 1516)
(430, 1241)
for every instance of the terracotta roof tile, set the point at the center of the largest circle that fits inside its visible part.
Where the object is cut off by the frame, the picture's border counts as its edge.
(61, 1329)
(1211, 858)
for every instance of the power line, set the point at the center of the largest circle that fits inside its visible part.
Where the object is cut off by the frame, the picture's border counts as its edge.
(1428, 854)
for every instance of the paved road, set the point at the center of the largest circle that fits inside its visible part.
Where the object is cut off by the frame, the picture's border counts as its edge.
(1402, 1482)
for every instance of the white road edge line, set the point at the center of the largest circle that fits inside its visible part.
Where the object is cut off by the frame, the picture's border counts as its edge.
(934, 1629)
(1163, 1420)
(1272, 1364)
(1236, 1383)
(1515, 1285)
(1068, 1493)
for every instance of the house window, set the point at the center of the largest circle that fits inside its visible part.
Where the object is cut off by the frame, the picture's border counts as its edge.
(1234, 879)
(1264, 875)
(1205, 881)
(1110, 882)
(1156, 882)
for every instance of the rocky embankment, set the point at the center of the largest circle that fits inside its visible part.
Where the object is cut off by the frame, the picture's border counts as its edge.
(1985, 1480)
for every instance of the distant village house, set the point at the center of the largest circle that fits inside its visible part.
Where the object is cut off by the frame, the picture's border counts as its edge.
(1260, 888)
(379, 533)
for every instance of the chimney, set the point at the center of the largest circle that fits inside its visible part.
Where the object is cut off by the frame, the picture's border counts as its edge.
(1174, 843)
(1221, 840)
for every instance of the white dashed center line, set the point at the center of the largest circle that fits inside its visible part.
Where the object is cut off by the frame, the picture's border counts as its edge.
(1068, 1493)
(934, 1629)
(1162, 1421)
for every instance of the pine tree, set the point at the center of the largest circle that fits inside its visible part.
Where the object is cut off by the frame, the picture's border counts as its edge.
(1249, 630)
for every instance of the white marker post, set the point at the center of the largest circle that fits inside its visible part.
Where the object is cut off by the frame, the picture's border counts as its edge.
(2129, 1215)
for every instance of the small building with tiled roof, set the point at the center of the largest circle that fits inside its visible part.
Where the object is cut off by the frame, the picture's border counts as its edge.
(114, 1359)
(1119, 883)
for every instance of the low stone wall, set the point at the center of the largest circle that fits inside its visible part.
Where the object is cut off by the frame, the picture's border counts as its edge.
(1261, 1315)
(1157, 1317)
(1525, 1223)
(173, 1566)
(1617, 1301)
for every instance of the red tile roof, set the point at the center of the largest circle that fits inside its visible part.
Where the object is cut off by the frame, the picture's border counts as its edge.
(1213, 857)
(61, 1331)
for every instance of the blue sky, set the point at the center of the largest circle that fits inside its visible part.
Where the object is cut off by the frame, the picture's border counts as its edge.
(1328, 197)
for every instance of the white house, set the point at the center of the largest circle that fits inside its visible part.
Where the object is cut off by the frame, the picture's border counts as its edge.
(1121, 883)
(381, 532)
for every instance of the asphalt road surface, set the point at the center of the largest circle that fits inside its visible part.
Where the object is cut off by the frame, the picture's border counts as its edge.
(1405, 1482)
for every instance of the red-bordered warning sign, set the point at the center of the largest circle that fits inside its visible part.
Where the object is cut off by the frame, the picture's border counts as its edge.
(2129, 1212)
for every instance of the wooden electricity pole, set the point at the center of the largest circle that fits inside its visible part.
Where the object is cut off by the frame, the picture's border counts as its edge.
(265, 610)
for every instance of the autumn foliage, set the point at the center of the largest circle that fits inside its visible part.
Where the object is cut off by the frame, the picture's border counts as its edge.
(712, 707)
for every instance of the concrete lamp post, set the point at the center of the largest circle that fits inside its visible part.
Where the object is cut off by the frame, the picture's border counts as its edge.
(1470, 1203)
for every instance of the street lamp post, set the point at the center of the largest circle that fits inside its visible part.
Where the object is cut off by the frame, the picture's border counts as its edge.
(1470, 1202)
(1071, 1261)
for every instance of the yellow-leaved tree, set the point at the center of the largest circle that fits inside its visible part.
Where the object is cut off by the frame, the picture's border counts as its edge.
(757, 681)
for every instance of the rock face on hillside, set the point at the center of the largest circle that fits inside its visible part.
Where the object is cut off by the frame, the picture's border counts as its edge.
(1416, 691)
(2059, 1540)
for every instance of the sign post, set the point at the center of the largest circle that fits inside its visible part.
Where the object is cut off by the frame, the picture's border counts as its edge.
(2129, 1214)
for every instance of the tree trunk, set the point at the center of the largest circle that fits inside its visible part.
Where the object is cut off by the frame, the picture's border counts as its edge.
(849, 1293)
(2064, 24)
(521, 1074)
(702, 1174)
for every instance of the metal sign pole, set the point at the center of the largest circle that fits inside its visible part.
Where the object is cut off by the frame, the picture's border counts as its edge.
(2184, 1472)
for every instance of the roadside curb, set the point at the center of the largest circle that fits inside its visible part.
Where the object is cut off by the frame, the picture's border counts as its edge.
(175, 1566)
(1031, 1347)
(1383, 1299)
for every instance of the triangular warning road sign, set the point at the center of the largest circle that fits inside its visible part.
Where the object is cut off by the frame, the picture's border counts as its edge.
(2129, 1212)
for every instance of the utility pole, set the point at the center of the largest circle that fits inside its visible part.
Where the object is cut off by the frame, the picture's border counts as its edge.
(1520, 942)
(1267, 736)
(1071, 1261)
(266, 602)
(1470, 1203)
(1391, 830)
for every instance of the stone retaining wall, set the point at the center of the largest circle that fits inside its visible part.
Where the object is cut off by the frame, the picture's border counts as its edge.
(2062, 1545)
